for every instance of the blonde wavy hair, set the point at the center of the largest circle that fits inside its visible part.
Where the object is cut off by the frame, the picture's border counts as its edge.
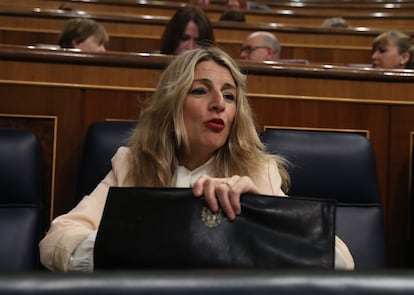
(161, 134)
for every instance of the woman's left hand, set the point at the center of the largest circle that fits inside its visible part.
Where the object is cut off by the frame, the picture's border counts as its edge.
(224, 193)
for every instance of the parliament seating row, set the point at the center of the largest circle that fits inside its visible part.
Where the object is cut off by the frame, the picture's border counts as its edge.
(332, 8)
(152, 25)
(337, 7)
(136, 43)
(402, 20)
(316, 45)
(64, 91)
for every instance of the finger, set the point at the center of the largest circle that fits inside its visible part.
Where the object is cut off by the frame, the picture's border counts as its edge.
(234, 193)
(234, 199)
(209, 193)
(198, 186)
(243, 185)
(239, 186)
(223, 196)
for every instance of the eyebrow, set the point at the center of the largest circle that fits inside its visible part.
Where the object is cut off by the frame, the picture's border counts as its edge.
(208, 81)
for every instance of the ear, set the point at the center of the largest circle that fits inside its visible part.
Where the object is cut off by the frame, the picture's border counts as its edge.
(405, 57)
(271, 53)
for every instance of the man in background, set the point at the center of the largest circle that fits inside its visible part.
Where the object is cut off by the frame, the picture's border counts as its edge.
(260, 46)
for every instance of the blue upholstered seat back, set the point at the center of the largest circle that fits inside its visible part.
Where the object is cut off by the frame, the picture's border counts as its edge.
(340, 166)
(102, 140)
(21, 194)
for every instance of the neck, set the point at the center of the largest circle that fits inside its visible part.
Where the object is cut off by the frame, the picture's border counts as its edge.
(192, 162)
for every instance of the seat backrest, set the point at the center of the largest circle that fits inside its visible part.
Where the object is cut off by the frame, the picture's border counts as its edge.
(21, 195)
(340, 166)
(102, 140)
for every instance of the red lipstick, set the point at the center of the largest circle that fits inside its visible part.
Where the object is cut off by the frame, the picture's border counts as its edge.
(215, 124)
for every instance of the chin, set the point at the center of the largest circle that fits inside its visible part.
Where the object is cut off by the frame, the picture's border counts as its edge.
(214, 145)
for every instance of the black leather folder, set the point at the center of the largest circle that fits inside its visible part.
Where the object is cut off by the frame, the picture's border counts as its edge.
(168, 228)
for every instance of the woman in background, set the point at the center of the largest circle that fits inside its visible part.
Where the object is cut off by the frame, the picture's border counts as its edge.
(189, 28)
(392, 50)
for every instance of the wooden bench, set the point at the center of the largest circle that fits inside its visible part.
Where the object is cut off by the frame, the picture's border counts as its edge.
(75, 89)
(137, 43)
(47, 19)
(400, 19)
(338, 7)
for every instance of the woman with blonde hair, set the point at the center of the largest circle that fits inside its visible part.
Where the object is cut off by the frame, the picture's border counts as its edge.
(198, 132)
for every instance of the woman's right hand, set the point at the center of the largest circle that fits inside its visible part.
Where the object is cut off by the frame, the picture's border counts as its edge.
(224, 193)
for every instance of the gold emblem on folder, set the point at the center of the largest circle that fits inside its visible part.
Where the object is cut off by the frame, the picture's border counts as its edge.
(211, 219)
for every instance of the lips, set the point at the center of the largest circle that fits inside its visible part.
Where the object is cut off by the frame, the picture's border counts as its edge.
(215, 124)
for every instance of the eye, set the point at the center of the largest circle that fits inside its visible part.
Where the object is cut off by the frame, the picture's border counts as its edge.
(247, 49)
(229, 96)
(382, 49)
(198, 91)
(185, 37)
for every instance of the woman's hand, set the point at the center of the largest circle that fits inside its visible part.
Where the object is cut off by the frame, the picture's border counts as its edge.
(224, 193)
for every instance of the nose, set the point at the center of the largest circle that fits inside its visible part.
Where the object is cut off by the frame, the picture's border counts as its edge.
(218, 101)
(374, 54)
(233, 3)
(191, 44)
(243, 55)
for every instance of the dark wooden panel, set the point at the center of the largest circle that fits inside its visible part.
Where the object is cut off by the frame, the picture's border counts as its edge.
(65, 104)
(113, 105)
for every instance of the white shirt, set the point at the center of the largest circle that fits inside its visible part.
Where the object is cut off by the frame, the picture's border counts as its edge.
(184, 177)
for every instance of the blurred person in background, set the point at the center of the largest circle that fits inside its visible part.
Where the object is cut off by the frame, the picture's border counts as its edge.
(189, 28)
(200, 2)
(244, 4)
(260, 46)
(392, 50)
(234, 15)
(84, 34)
(335, 22)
